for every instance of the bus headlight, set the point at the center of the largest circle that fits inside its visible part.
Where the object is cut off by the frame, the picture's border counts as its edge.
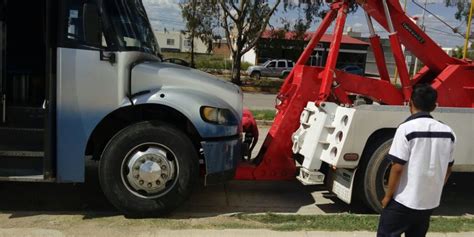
(218, 116)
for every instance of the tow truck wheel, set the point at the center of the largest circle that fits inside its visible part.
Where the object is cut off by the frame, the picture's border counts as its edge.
(376, 176)
(148, 169)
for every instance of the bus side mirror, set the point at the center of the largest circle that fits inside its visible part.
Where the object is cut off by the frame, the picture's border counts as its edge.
(91, 24)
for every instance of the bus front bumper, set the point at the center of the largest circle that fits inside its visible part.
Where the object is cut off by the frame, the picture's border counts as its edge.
(221, 159)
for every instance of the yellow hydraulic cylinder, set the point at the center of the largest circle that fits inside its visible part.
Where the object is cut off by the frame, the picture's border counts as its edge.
(468, 33)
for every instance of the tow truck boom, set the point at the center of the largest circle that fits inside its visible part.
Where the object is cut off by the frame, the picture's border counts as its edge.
(313, 87)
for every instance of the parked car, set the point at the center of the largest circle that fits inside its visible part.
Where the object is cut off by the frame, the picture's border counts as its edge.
(178, 61)
(354, 70)
(272, 68)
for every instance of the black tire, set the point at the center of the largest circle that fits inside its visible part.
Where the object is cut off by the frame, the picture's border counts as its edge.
(117, 185)
(285, 75)
(256, 75)
(375, 176)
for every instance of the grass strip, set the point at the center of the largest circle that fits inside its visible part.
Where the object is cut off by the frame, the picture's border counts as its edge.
(265, 114)
(348, 222)
(342, 222)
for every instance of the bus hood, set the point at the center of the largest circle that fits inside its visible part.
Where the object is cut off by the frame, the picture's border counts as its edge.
(148, 76)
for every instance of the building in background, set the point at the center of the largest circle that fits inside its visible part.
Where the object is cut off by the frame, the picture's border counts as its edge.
(371, 65)
(221, 48)
(353, 51)
(175, 41)
(413, 65)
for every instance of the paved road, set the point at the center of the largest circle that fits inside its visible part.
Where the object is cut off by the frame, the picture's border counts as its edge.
(259, 101)
(236, 196)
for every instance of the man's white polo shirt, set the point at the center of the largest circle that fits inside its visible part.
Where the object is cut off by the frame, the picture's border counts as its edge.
(425, 147)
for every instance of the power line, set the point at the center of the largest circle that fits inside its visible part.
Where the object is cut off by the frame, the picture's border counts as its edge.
(447, 33)
(436, 16)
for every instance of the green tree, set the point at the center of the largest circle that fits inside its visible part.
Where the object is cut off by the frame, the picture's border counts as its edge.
(463, 7)
(244, 21)
(201, 22)
(458, 52)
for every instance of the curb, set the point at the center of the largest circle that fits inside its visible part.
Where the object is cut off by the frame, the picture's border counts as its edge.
(264, 122)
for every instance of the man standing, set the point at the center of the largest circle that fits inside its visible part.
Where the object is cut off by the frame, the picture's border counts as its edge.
(421, 156)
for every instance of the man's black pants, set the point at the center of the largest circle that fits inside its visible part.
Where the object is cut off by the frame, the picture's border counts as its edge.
(397, 219)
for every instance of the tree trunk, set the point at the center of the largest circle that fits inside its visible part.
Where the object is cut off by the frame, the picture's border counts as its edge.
(193, 64)
(193, 33)
(236, 64)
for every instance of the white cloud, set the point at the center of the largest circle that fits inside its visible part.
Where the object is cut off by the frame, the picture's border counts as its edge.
(422, 2)
(162, 3)
(439, 32)
(164, 14)
(356, 27)
(431, 1)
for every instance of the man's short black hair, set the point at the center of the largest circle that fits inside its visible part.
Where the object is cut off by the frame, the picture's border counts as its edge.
(424, 97)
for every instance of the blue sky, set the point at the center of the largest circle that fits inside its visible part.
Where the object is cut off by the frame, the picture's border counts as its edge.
(166, 14)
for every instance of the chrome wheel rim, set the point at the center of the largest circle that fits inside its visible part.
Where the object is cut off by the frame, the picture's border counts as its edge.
(149, 170)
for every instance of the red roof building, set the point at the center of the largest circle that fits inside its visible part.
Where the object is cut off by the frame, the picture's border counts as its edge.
(327, 38)
(274, 45)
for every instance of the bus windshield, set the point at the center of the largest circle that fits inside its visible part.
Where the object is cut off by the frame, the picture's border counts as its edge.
(130, 22)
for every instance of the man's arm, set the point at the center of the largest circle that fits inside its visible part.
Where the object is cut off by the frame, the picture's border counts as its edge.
(393, 181)
(448, 173)
(399, 155)
(451, 161)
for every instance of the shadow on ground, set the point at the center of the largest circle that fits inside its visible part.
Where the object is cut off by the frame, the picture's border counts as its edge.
(23, 199)
(30, 199)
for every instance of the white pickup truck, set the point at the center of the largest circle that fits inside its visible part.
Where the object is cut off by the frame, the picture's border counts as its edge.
(271, 68)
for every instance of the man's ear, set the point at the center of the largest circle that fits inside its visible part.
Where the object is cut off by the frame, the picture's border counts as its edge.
(411, 106)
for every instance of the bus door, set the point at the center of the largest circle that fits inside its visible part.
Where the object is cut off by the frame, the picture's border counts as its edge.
(2, 60)
(23, 89)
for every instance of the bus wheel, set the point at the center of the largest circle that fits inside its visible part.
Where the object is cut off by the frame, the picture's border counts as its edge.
(148, 169)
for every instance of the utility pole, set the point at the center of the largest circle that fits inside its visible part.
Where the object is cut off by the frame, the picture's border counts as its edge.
(468, 33)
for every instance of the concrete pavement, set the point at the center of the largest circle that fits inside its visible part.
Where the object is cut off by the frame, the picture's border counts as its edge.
(261, 197)
(291, 197)
(236, 196)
